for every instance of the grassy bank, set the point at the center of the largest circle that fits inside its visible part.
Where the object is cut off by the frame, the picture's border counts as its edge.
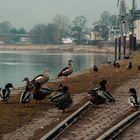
(59, 48)
(15, 115)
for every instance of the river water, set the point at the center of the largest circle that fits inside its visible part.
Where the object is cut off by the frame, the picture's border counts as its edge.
(15, 65)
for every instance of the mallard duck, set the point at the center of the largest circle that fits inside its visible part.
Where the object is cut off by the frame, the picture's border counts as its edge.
(95, 68)
(129, 66)
(55, 98)
(138, 67)
(41, 78)
(105, 94)
(26, 95)
(133, 100)
(66, 101)
(58, 95)
(116, 64)
(5, 93)
(100, 95)
(60, 88)
(28, 85)
(40, 93)
(66, 71)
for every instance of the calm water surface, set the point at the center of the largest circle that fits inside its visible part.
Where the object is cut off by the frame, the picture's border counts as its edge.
(15, 65)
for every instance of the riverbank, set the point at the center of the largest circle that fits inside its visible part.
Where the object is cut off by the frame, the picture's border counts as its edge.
(59, 48)
(32, 122)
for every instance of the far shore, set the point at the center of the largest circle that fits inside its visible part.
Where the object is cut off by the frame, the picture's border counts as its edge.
(60, 48)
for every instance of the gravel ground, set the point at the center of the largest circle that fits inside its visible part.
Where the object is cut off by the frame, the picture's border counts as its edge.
(98, 119)
(131, 133)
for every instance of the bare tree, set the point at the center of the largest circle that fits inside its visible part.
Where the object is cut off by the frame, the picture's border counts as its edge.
(5, 28)
(44, 34)
(105, 18)
(79, 25)
(63, 25)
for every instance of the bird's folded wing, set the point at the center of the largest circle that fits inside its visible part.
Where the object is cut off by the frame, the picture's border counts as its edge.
(37, 77)
(63, 70)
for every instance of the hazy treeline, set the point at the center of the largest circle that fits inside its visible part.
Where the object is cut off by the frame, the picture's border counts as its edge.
(60, 27)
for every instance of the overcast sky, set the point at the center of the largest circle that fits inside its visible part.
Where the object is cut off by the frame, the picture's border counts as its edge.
(27, 13)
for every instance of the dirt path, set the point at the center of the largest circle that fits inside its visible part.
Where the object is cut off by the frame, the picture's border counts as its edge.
(100, 118)
(52, 115)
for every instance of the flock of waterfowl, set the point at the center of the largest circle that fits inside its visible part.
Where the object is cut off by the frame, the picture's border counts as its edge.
(101, 95)
(34, 89)
(61, 97)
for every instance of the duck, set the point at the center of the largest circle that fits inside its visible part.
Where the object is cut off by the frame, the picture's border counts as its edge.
(66, 101)
(6, 93)
(28, 84)
(100, 95)
(116, 64)
(108, 62)
(66, 71)
(40, 93)
(41, 78)
(129, 66)
(133, 100)
(105, 94)
(138, 67)
(26, 96)
(60, 88)
(58, 95)
(95, 68)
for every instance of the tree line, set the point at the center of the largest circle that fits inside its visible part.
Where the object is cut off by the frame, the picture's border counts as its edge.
(59, 28)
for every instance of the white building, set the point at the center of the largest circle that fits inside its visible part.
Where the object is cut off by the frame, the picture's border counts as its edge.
(113, 31)
(67, 40)
(137, 30)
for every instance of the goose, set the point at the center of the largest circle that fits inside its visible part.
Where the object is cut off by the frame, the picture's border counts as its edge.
(41, 78)
(40, 93)
(66, 101)
(66, 71)
(6, 93)
(133, 100)
(26, 96)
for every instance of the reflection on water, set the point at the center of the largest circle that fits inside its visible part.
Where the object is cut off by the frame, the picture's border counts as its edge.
(15, 66)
